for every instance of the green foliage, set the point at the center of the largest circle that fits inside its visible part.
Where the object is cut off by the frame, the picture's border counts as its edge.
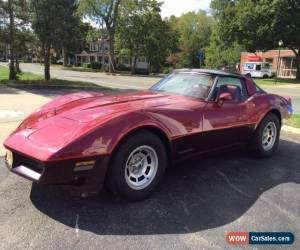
(54, 22)
(103, 12)
(260, 24)
(294, 121)
(4, 75)
(86, 65)
(14, 15)
(143, 32)
(195, 30)
(220, 54)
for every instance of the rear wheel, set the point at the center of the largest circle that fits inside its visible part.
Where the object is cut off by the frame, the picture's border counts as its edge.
(266, 137)
(137, 166)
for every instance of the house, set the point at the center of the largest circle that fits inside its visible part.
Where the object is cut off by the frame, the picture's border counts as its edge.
(98, 51)
(283, 61)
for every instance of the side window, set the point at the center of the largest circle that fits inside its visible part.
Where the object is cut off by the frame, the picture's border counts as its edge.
(258, 67)
(232, 85)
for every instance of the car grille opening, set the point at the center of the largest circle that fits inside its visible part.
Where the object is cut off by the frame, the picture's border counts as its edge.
(27, 162)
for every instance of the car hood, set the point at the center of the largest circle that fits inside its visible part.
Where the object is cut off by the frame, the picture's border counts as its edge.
(67, 118)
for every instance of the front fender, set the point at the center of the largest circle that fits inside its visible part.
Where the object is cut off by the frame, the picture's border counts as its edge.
(104, 139)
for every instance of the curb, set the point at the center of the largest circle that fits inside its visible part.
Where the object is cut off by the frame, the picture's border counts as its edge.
(289, 129)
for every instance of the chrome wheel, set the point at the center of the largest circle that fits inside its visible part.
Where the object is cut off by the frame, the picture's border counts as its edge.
(141, 167)
(269, 136)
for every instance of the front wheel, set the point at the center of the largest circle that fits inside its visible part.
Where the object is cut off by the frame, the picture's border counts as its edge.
(137, 166)
(266, 137)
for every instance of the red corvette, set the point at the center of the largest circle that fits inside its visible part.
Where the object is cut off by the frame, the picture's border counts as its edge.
(85, 139)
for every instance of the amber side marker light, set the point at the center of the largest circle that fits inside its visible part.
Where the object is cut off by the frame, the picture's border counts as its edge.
(84, 165)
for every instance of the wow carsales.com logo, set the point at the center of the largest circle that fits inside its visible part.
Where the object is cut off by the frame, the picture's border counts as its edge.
(253, 238)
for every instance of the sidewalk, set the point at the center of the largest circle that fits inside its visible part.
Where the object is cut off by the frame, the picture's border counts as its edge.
(15, 105)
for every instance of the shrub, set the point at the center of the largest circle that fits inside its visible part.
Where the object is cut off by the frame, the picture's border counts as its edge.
(96, 65)
(166, 70)
(122, 67)
(86, 65)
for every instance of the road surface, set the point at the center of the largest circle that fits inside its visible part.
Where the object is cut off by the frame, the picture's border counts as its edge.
(200, 201)
(198, 204)
(139, 82)
(103, 79)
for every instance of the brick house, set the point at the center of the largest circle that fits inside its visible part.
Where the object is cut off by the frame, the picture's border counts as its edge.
(285, 62)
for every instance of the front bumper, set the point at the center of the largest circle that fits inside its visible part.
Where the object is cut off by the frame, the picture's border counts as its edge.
(85, 181)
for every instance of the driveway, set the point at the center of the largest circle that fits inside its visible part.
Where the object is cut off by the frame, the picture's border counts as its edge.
(197, 206)
(200, 201)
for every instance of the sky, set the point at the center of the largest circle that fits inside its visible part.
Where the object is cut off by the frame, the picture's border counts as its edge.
(178, 7)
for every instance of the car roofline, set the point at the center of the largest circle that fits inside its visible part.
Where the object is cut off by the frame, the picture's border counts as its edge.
(209, 71)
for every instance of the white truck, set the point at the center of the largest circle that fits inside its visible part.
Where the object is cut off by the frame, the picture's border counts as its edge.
(258, 69)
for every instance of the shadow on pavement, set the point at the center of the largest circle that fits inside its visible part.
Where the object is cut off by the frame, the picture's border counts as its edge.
(196, 195)
(8, 90)
(53, 92)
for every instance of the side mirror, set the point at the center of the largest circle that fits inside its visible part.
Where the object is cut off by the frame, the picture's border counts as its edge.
(226, 96)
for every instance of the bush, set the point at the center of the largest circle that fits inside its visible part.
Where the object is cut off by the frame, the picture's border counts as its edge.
(167, 70)
(122, 67)
(96, 65)
(86, 65)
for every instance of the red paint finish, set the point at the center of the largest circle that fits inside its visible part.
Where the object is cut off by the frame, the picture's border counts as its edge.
(84, 126)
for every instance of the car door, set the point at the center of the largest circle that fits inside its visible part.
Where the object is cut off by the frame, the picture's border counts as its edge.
(228, 123)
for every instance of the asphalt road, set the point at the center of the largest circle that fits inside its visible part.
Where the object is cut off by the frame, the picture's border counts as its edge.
(199, 203)
(112, 81)
(139, 82)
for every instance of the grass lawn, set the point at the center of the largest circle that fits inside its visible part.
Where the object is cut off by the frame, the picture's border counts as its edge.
(25, 76)
(294, 121)
(272, 81)
(38, 80)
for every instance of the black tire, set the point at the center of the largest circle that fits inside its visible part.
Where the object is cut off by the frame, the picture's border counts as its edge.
(265, 76)
(256, 144)
(116, 180)
(248, 74)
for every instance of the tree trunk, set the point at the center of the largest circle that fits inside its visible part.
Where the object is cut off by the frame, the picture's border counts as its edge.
(18, 65)
(12, 70)
(64, 52)
(111, 34)
(298, 65)
(133, 65)
(47, 63)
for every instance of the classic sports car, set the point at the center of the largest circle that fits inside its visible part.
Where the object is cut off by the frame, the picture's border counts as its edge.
(86, 139)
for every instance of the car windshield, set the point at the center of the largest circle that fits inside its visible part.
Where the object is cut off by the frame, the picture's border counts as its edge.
(189, 84)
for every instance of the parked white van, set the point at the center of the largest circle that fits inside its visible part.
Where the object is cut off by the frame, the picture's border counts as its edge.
(258, 69)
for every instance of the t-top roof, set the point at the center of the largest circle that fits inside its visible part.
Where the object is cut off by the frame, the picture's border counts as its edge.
(209, 71)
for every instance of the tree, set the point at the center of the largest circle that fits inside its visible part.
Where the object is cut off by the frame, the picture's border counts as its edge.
(104, 12)
(195, 30)
(14, 15)
(220, 54)
(260, 24)
(160, 41)
(141, 33)
(52, 21)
